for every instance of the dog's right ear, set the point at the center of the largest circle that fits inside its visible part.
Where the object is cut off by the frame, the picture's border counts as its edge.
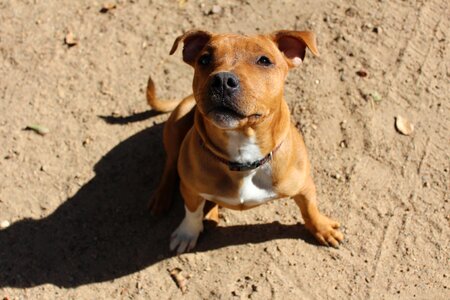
(194, 41)
(293, 44)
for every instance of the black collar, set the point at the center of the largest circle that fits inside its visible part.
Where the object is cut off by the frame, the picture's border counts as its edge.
(237, 166)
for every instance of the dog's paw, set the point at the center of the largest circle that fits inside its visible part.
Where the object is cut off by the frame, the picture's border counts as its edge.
(325, 231)
(184, 238)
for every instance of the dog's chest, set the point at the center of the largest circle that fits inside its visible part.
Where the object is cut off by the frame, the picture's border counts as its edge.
(255, 186)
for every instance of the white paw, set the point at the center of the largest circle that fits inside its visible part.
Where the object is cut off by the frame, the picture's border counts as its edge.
(184, 238)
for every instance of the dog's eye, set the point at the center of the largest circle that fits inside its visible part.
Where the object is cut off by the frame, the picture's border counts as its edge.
(264, 61)
(205, 59)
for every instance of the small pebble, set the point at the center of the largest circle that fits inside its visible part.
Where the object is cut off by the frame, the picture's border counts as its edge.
(86, 142)
(336, 176)
(106, 7)
(4, 224)
(216, 9)
(70, 40)
(367, 26)
(403, 125)
(361, 73)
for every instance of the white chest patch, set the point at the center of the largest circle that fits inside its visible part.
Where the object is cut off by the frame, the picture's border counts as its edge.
(256, 187)
(242, 148)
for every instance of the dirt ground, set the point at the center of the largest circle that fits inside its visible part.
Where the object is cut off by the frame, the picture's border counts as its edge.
(75, 198)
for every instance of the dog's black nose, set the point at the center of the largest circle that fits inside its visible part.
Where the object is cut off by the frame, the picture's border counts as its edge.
(225, 82)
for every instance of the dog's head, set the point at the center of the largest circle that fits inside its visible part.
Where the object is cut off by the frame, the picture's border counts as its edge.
(239, 80)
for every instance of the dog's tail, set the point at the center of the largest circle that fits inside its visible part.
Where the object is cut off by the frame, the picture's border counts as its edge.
(158, 104)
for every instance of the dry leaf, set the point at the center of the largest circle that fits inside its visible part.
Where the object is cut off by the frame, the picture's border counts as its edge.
(106, 7)
(42, 130)
(179, 279)
(70, 40)
(403, 125)
(376, 97)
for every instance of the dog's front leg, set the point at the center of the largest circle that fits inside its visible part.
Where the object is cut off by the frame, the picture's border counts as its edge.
(324, 229)
(184, 238)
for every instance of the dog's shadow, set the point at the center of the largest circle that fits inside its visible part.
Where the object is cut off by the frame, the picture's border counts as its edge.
(104, 232)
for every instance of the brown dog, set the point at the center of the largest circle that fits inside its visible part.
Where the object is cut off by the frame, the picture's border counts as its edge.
(232, 141)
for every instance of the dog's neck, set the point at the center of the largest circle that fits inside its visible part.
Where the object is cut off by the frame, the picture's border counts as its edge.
(247, 144)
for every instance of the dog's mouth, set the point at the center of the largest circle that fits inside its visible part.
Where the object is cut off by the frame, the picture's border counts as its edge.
(229, 117)
(226, 111)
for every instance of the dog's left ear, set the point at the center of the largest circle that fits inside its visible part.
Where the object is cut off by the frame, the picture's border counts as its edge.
(194, 41)
(294, 43)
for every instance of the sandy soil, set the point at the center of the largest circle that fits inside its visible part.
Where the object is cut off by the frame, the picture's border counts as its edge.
(75, 198)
